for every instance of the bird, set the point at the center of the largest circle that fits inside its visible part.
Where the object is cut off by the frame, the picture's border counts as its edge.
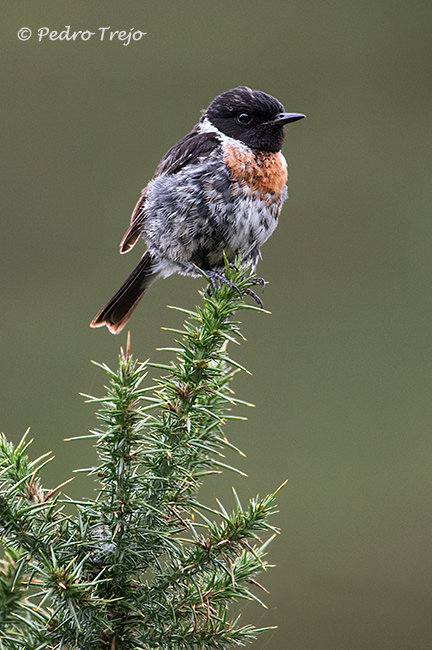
(216, 194)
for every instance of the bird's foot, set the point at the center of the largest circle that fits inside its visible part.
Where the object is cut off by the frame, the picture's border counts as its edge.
(217, 278)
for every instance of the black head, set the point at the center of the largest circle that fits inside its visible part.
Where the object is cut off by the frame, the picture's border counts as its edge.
(251, 116)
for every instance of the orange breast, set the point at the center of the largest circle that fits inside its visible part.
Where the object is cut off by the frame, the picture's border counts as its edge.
(264, 172)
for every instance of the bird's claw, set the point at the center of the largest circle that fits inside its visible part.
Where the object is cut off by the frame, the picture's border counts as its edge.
(253, 295)
(259, 281)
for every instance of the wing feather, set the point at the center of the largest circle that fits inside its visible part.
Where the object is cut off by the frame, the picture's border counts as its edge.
(191, 149)
(133, 233)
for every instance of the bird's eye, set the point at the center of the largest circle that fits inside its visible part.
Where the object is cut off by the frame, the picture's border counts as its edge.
(245, 118)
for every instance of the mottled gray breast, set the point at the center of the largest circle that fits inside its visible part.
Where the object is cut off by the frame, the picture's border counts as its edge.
(197, 214)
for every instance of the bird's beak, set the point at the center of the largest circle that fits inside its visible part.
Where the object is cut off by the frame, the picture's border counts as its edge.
(284, 118)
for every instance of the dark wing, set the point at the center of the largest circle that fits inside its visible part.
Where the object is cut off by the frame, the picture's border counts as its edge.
(189, 150)
(133, 233)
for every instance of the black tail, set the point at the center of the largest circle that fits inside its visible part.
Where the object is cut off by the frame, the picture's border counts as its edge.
(117, 312)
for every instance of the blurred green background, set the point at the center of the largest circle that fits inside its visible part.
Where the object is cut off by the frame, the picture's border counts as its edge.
(342, 369)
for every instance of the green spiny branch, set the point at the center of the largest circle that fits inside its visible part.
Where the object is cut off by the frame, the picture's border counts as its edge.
(144, 564)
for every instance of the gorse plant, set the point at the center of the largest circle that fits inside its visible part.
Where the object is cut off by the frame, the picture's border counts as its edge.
(144, 564)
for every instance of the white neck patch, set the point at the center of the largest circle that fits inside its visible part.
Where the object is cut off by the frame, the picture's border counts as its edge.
(207, 127)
